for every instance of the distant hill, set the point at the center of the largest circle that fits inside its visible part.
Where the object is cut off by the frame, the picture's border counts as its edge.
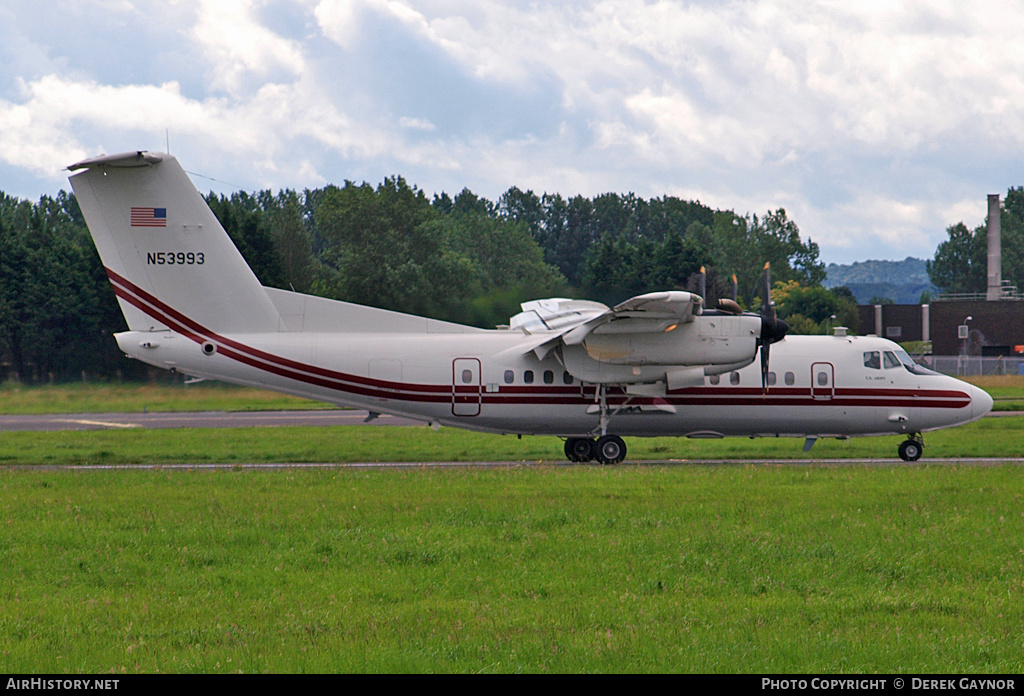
(899, 281)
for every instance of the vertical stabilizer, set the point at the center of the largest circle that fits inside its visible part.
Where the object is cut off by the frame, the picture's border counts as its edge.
(164, 250)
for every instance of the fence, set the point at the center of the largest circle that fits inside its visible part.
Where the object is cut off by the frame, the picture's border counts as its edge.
(971, 365)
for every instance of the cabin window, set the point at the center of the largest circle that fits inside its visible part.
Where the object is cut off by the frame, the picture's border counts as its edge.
(467, 376)
(549, 377)
(528, 376)
(790, 379)
(566, 378)
(822, 379)
(890, 360)
(510, 376)
(873, 359)
(771, 379)
(714, 379)
(734, 378)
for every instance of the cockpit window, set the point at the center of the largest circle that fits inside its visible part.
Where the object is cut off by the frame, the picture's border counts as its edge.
(890, 360)
(913, 366)
(872, 359)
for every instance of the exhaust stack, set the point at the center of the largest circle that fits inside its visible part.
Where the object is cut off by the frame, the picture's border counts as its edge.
(995, 254)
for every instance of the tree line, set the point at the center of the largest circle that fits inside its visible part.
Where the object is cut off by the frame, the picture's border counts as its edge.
(460, 258)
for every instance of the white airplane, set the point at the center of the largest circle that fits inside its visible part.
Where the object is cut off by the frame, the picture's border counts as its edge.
(657, 364)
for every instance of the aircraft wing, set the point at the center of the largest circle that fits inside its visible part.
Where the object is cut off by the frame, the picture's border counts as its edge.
(571, 321)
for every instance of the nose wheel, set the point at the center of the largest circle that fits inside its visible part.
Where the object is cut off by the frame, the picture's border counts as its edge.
(912, 449)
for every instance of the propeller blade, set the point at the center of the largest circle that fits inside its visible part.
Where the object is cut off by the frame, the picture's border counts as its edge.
(772, 328)
(764, 368)
(767, 308)
(702, 288)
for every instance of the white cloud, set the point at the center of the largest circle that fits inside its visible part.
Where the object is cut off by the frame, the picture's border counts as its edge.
(874, 121)
(38, 133)
(238, 46)
(420, 124)
(339, 21)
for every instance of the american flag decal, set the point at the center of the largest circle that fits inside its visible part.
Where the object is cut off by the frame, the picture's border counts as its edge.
(149, 217)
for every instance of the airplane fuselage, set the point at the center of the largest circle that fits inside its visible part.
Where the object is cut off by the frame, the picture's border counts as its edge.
(824, 386)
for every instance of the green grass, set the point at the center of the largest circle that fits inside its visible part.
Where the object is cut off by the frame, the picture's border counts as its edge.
(754, 569)
(735, 568)
(16, 399)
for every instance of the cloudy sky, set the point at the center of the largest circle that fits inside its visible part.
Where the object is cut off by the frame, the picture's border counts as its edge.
(874, 124)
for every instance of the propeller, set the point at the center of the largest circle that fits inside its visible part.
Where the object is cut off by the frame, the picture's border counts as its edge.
(773, 329)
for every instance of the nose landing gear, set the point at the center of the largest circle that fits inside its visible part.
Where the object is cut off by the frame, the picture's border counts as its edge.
(911, 449)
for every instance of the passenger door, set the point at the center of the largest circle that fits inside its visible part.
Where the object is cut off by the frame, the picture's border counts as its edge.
(467, 389)
(823, 378)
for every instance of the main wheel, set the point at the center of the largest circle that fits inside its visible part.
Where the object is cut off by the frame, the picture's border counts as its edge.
(910, 450)
(579, 449)
(610, 449)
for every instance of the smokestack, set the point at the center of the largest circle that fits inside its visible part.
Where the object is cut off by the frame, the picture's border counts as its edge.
(995, 254)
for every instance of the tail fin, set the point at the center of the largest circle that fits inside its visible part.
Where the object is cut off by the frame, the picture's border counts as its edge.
(166, 254)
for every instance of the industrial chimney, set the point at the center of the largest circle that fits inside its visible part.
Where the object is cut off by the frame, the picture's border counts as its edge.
(995, 253)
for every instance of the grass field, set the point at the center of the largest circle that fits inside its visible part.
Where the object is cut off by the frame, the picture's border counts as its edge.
(538, 567)
(133, 398)
(524, 569)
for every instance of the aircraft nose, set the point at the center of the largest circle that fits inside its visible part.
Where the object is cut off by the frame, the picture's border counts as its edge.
(981, 402)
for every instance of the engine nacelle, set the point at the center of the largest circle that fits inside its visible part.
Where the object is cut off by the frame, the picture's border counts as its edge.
(703, 341)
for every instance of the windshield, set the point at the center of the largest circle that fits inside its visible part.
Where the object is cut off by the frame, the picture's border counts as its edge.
(913, 366)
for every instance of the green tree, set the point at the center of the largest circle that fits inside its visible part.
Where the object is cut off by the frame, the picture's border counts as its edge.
(293, 244)
(747, 243)
(960, 264)
(1012, 238)
(57, 310)
(385, 253)
(249, 228)
(810, 309)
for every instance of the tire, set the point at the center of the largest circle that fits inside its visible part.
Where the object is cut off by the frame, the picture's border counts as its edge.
(579, 449)
(911, 450)
(610, 449)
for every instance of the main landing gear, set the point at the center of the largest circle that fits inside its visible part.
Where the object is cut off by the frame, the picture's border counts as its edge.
(606, 449)
(912, 448)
